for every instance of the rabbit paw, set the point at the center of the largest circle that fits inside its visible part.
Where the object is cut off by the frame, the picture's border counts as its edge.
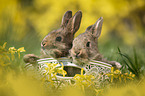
(118, 65)
(30, 58)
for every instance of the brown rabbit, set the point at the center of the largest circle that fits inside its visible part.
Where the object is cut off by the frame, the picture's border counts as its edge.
(85, 46)
(58, 42)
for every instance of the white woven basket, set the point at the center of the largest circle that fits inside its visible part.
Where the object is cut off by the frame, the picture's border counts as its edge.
(93, 68)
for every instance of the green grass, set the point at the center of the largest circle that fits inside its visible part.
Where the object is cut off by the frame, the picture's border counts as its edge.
(132, 63)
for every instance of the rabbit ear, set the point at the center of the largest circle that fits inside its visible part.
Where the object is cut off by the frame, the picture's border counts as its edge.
(96, 28)
(74, 23)
(66, 18)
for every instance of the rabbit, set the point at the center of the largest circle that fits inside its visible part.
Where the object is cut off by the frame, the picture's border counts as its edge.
(85, 46)
(58, 42)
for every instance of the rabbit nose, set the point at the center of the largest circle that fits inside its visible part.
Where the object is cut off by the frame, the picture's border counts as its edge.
(78, 54)
(43, 44)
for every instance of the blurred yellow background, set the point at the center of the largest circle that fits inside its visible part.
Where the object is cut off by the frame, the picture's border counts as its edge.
(32, 20)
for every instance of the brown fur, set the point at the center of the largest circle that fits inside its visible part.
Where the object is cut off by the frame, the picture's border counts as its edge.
(85, 46)
(58, 42)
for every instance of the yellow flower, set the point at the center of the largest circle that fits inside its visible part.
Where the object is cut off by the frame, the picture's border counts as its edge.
(117, 72)
(20, 50)
(133, 75)
(112, 69)
(119, 75)
(85, 80)
(12, 50)
(52, 70)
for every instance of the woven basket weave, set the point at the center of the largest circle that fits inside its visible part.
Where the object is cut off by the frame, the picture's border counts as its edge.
(93, 68)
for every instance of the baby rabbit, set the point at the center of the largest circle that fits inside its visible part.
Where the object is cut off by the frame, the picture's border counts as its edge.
(85, 46)
(58, 42)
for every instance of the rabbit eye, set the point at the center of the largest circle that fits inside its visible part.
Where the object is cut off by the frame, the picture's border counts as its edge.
(58, 38)
(88, 44)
